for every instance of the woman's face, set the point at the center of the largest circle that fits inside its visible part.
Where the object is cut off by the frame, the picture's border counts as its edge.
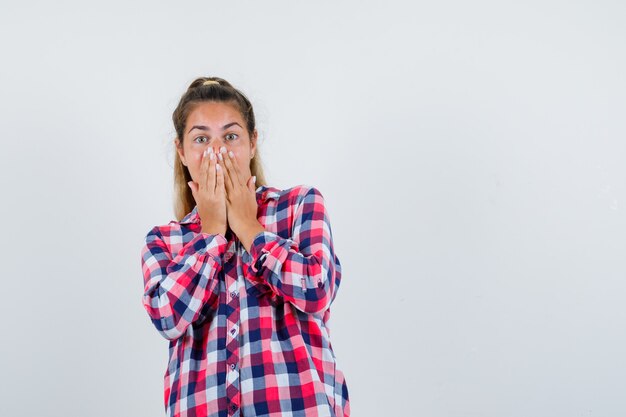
(213, 125)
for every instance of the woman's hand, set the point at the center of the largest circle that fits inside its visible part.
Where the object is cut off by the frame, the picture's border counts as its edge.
(240, 200)
(210, 195)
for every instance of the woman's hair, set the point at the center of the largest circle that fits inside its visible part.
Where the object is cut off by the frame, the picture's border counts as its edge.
(195, 94)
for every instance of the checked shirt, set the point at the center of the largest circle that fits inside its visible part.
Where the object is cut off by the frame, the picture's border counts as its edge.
(248, 332)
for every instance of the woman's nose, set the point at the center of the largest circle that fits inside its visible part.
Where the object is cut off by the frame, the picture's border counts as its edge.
(217, 148)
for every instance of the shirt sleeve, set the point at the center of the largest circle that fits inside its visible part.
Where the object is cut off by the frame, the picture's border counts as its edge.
(178, 288)
(304, 269)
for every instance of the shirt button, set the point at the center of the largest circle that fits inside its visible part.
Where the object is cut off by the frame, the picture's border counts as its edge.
(232, 366)
(233, 407)
(233, 330)
(227, 256)
(234, 294)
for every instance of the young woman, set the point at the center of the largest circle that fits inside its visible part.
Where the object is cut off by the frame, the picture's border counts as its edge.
(241, 285)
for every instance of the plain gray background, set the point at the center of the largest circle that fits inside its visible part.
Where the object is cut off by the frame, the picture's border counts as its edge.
(471, 155)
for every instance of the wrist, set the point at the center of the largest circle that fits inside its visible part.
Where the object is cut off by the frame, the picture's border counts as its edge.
(212, 230)
(249, 233)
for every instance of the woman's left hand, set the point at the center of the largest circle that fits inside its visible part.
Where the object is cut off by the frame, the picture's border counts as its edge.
(241, 201)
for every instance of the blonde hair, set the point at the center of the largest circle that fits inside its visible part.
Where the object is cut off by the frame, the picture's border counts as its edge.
(200, 90)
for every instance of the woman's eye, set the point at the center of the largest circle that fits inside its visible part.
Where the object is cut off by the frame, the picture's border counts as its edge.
(203, 139)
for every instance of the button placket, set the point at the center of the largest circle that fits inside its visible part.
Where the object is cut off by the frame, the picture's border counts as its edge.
(232, 340)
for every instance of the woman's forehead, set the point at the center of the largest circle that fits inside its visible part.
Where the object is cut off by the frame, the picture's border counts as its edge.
(217, 111)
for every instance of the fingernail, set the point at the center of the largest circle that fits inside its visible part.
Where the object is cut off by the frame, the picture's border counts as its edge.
(223, 149)
(220, 156)
(254, 179)
(231, 154)
(211, 156)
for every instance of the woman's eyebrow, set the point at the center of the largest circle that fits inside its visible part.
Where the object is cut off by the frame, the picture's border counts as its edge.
(226, 126)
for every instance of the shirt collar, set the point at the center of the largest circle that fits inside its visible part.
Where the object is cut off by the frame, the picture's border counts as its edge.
(263, 194)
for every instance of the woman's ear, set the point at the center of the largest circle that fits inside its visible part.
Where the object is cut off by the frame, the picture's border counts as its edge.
(180, 150)
(253, 141)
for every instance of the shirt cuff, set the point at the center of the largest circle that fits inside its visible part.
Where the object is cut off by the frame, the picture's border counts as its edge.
(266, 252)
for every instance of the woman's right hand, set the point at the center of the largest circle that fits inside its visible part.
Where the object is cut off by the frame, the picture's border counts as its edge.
(210, 195)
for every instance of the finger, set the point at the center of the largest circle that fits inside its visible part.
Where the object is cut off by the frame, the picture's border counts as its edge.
(233, 168)
(252, 183)
(228, 180)
(193, 187)
(211, 171)
(229, 168)
(219, 179)
(204, 164)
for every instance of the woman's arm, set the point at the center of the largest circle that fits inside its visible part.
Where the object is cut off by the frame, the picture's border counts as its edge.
(304, 270)
(177, 288)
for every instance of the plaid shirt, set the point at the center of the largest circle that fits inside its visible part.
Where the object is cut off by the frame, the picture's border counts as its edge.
(248, 332)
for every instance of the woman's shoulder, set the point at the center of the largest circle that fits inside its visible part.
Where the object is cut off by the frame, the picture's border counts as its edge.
(174, 229)
(292, 196)
(292, 193)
